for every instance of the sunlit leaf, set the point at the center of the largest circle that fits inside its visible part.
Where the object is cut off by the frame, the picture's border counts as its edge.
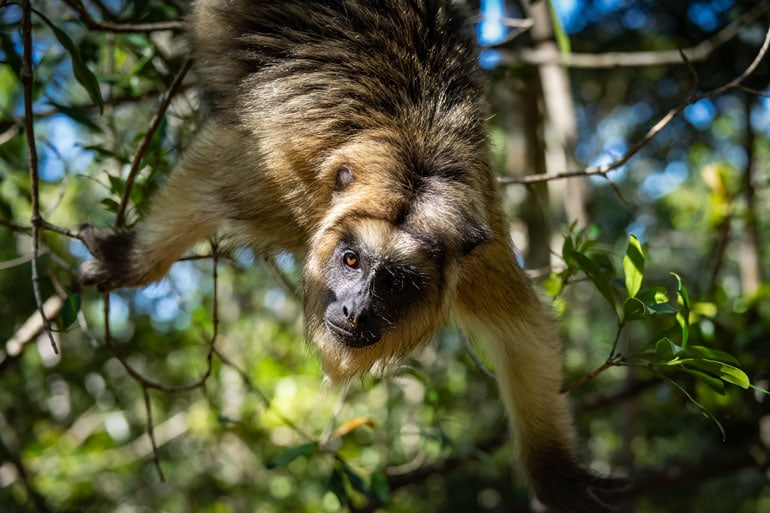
(683, 317)
(716, 384)
(633, 266)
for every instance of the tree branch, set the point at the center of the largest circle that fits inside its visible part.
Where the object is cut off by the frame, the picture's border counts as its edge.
(107, 26)
(145, 143)
(27, 79)
(658, 127)
(697, 53)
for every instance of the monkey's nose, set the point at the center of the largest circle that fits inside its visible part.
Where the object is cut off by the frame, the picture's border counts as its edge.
(350, 316)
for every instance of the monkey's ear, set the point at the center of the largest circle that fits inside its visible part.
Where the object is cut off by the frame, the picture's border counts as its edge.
(344, 177)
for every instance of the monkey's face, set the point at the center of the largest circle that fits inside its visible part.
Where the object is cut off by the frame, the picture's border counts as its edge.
(380, 293)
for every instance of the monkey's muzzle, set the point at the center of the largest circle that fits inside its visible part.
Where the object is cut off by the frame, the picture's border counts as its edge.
(353, 336)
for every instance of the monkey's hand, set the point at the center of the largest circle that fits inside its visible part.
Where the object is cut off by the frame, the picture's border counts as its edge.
(113, 265)
(569, 488)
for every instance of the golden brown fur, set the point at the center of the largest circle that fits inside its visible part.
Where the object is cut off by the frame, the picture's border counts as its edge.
(351, 133)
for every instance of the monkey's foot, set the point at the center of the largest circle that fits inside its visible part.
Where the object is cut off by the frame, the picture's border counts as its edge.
(113, 266)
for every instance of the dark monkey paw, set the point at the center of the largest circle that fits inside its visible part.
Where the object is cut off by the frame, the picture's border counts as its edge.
(569, 488)
(112, 266)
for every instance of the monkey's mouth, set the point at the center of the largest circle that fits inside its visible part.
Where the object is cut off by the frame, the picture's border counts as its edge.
(352, 338)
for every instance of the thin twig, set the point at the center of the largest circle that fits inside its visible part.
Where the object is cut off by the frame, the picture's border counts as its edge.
(148, 383)
(476, 360)
(144, 145)
(27, 79)
(107, 26)
(151, 433)
(611, 362)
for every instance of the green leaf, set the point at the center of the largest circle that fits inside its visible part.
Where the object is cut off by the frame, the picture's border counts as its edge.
(598, 278)
(567, 248)
(117, 184)
(717, 385)
(710, 353)
(356, 481)
(291, 454)
(665, 350)
(337, 486)
(562, 39)
(633, 266)
(654, 295)
(661, 309)
(12, 58)
(83, 75)
(735, 376)
(553, 285)
(633, 309)
(70, 309)
(723, 371)
(683, 317)
(380, 487)
(110, 204)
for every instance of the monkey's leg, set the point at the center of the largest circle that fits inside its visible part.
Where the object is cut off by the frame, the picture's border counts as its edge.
(184, 211)
(498, 303)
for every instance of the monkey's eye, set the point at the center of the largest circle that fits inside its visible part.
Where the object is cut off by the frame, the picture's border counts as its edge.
(351, 260)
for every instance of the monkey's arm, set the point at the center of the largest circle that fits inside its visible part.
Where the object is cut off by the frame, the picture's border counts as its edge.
(498, 303)
(184, 211)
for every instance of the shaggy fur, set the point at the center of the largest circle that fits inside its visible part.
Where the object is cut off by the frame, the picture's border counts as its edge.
(354, 125)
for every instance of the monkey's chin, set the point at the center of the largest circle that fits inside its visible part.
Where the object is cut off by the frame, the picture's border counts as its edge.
(351, 339)
(343, 362)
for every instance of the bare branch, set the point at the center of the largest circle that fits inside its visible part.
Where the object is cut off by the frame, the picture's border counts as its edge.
(107, 26)
(145, 143)
(15, 345)
(697, 53)
(27, 79)
(603, 170)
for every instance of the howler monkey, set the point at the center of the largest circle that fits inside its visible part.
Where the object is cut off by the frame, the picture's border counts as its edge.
(351, 133)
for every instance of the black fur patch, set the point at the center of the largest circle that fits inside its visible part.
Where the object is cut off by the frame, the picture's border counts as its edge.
(112, 249)
(565, 487)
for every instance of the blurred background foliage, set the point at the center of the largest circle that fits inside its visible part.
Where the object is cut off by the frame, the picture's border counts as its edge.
(248, 425)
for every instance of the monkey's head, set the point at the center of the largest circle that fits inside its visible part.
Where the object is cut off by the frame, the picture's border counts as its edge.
(382, 270)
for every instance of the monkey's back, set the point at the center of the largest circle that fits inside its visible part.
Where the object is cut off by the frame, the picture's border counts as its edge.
(317, 71)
